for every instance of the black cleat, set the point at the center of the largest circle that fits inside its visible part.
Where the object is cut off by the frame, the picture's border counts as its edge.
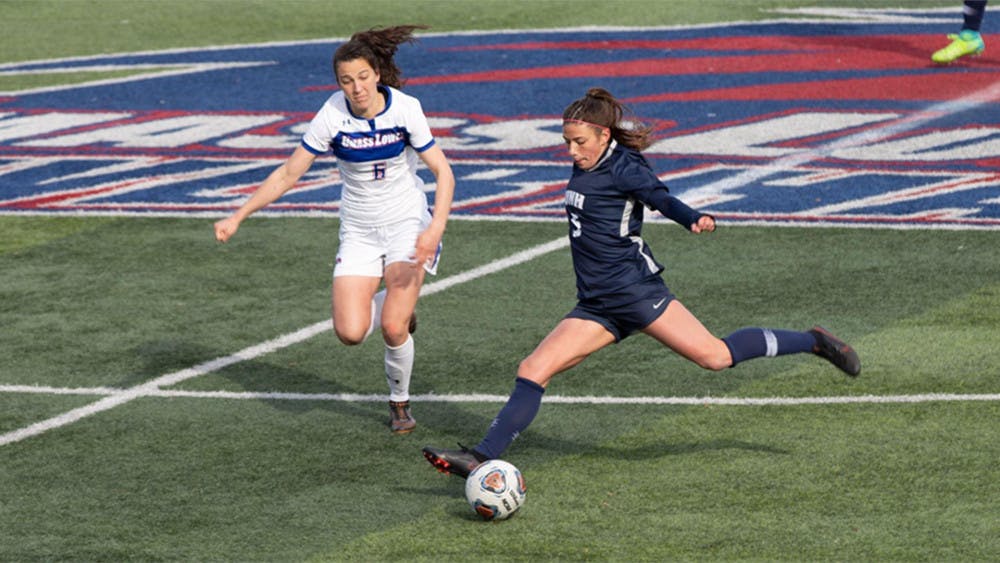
(457, 462)
(836, 351)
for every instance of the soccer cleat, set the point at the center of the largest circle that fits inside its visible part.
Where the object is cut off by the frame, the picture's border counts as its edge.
(400, 419)
(836, 351)
(967, 42)
(456, 462)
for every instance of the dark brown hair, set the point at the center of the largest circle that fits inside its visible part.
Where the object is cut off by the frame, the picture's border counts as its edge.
(378, 46)
(601, 109)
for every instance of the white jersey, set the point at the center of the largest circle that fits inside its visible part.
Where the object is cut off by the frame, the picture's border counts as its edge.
(377, 157)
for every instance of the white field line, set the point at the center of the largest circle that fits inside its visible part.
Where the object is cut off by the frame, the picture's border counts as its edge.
(118, 397)
(487, 398)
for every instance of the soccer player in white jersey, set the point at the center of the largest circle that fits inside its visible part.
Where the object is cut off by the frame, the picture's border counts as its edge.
(387, 233)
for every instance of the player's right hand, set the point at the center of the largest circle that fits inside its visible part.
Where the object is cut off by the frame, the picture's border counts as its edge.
(226, 228)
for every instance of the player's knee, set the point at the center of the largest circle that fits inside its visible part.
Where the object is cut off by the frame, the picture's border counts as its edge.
(530, 368)
(714, 363)
(525, 367)
(717, 358)
(393, 331)
(350, 337)
(539, 370)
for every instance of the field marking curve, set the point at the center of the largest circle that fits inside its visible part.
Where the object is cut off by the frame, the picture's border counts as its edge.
(152, 387)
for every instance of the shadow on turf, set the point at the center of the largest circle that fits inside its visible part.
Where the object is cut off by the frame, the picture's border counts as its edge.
(546, 448)
(436, 420)
(258, 376)
(448, 425)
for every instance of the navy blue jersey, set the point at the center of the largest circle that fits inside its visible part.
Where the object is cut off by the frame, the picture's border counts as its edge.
(605, 210)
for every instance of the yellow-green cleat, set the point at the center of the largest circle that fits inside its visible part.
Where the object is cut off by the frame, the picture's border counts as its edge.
(967, 42)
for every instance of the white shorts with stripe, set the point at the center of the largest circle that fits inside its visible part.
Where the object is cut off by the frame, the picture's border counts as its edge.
(366, 251)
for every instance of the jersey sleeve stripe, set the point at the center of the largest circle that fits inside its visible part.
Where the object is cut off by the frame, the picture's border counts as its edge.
(306, 146)
(425, 147)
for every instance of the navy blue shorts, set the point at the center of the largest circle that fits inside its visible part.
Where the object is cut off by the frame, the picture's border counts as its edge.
(623, 320)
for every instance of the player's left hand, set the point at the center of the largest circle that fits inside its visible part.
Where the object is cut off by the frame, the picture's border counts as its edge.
(704, 224)
(427, 247)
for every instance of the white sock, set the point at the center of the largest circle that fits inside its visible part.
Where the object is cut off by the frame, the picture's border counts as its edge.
(398, 367)
(377, 301)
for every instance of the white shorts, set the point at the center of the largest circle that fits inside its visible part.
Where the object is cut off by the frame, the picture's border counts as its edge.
(366, 251)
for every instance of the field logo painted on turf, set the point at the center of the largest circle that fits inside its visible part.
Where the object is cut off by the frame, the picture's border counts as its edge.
(803, 123)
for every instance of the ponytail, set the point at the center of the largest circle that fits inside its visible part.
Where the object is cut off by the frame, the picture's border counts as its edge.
(377, 47)
(600, 109)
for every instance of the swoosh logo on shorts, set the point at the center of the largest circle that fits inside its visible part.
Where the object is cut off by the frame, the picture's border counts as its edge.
(657, 306)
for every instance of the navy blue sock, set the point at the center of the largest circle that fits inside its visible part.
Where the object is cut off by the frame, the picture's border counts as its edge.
(749, 343)
(515, 416)
(972, 14)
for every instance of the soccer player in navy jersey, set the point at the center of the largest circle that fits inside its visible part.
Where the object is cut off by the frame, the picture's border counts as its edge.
(387, 233)
(619, 288)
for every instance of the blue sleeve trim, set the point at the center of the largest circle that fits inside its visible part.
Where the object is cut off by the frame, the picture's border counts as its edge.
(425, 147)
(310, 149)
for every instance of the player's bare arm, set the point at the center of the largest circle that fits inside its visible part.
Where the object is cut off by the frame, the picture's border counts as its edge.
(427, 242)
(282, 179)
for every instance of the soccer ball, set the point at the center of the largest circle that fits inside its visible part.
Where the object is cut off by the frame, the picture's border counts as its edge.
(495, 489)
